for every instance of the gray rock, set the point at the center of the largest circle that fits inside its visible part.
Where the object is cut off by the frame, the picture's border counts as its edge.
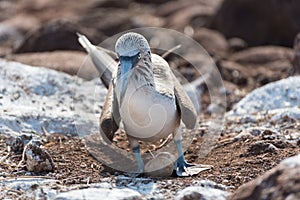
(24, 183)
(201, 193)
(237, 44)
(266, 132)
(210, 184)
(53, 35)
(296, 60)
(212, 41)
(8, 32)
(282, 182)
(292, 161)
(35, 98)
(99, 193)
(284, 114)
(203, 190)
(262, 55)
(39, 188)
(234, 17)
(260, 147)
(141, 185)
(277, 95)
(29, 188)
(70, 62)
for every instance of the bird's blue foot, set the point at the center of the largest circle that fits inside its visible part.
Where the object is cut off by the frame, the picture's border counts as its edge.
(140, 163)
(181, 166)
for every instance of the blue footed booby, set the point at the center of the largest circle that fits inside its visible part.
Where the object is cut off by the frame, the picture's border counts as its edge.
(144, 95)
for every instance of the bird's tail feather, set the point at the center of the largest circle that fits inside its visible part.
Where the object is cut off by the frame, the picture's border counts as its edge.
(85, 43)
(105, 64)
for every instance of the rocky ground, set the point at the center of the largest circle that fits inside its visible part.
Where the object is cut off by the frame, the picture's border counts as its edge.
(261, 126)
(249, 145)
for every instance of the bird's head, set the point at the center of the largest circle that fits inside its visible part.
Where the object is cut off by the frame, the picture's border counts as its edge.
(130, 48)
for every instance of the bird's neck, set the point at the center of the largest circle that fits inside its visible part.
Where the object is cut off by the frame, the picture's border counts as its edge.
(143, 75)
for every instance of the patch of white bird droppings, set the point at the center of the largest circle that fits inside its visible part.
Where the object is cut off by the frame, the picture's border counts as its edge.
(33, 98)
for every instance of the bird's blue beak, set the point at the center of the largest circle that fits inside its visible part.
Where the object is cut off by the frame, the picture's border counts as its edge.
(127, 64)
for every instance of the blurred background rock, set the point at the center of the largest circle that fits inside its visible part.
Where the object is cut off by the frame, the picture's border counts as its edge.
(250, 40)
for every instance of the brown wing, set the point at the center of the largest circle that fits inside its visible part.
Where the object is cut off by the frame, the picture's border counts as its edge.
(187, 110)
(110, 116)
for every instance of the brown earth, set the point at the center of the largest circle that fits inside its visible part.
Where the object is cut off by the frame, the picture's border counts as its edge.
(235, 161)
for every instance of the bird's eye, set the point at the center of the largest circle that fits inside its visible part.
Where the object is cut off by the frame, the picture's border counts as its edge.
(139, 56)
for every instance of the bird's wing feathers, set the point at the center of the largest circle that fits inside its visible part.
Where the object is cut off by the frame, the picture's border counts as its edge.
(164, 77)
(187, 110)
(110, 116)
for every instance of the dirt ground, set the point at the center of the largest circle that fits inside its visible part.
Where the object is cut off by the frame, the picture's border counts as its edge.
(234, 162)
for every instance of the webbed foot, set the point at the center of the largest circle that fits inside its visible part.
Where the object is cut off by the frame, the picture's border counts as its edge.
(182, 168)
